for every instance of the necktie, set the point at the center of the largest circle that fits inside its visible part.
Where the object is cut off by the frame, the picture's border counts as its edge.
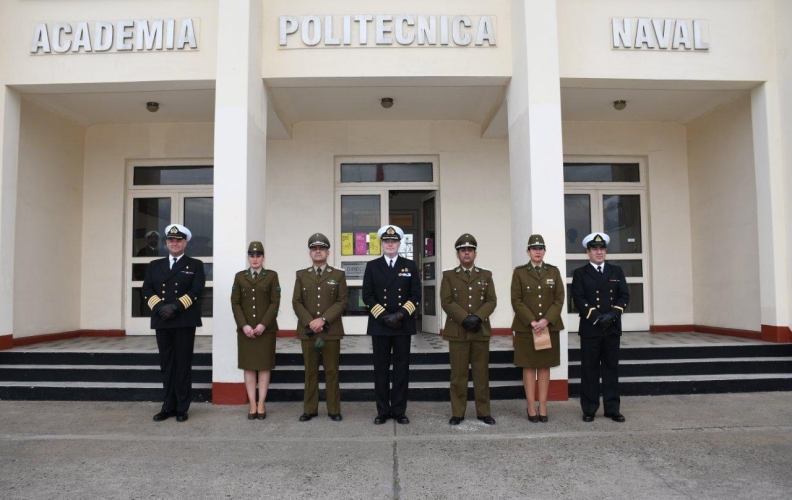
(319, 273)
(390, 264)
(467, 271)
(174, 262)
(255, 275)
(599, 269)
(537, 269)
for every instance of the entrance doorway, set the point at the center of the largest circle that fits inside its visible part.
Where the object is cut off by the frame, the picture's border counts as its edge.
(609, 195)
(371, 193)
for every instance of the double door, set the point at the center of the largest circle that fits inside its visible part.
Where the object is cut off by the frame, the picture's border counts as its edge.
(148, 214)
(621, 214)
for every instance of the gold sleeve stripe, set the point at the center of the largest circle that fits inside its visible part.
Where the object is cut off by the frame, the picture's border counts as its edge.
(619, 308)
(153, 301)
(377, 310)
(591, 310)
(186, 301)
(409, 306)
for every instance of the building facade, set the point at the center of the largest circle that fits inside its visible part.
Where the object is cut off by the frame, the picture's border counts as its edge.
(667, 125)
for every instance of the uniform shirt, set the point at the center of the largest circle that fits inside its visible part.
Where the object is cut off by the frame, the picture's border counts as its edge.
(388, 290)
(595, 294)
(256, 301)
(181, 285)
(537, 296)
(324, 297)
(461, 296)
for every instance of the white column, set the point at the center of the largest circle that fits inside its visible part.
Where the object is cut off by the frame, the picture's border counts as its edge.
(772, 220)
(535, 141)
(10, 112)
(240, 167)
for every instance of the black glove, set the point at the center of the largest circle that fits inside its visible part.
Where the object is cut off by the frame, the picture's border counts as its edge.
(167, 312)
(308, 331)
(394, 320)
(606, 320)
(326, 327)
(472, 323)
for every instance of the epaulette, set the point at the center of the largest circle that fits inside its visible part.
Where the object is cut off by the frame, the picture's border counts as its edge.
(522, 266)
(549, 265)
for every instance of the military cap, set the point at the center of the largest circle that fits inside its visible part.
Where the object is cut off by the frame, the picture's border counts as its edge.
(178, 232)
(318, 240)
(152, 233)
(596, 240)
(255, 248)
(466, 241)
(390, 233)
(536, 240)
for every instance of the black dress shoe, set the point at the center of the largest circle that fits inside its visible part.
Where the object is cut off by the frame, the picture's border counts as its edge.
(252, 416)
(487, 420)
(588, 417)
(307, 416)
(456, 420)
(163, 415)
(542, 418)
(401, 419)
(615, 416)
(182, 417)
(336, 418)
(381, 419)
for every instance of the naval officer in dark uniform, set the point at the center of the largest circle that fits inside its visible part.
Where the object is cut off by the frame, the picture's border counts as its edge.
(172, 289)
(392, 293)
(601, 295)
(467, 295)
(319, 300)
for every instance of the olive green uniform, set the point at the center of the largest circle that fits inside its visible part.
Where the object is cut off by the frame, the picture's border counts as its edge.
(536, 295)
(321, 297)
(256, 301)
(461, 296)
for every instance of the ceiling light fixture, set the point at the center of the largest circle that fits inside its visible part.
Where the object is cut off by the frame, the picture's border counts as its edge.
(152, 106)
(387, 102)
(619, 105)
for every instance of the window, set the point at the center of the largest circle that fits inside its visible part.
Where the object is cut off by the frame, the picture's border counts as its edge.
(386, 172)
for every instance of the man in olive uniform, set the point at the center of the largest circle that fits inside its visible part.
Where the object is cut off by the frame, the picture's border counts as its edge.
(320, 298)
(600, 293)
(467, 295)
(172, 288)
(392, 293)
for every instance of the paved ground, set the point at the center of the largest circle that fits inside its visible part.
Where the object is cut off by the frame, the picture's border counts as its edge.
(703, 446)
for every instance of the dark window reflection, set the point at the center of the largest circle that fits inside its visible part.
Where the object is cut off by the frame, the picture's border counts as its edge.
(622, 217)
(150, 216)
(386, 172)
(601, 172)
(172, 176)
(429, 301)
(356, 305)
(577, 221)
(199, 219)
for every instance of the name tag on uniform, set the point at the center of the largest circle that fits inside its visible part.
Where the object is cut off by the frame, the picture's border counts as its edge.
(187, 272)
(405, 274)
(550, 281)
(332, 282)
(482, 283)
(614, 281)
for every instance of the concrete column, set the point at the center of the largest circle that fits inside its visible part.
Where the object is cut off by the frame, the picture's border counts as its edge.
(772, 222)
(240, 167)
(10, 112)
(535, 144)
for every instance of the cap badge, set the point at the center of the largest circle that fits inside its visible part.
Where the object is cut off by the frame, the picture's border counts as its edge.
(174, 230)
(598, 238)
(391, 231)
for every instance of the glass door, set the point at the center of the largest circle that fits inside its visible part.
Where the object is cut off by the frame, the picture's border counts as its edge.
(429, 265)
(149, 213)
(610, 198)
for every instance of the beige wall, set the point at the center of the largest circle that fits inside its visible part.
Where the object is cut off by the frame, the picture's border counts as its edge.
(739, 40)
(107, 149)
(49, 224)
(19, 66)
(784, 76)
(300, 191)
(663, 144)
(386, 61)
(723, 216)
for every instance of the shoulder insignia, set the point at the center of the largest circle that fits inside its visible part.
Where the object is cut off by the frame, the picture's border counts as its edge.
(549, 265)
(233, 287)
(522, 266)
(458, 269)
(278, 288)
(329, 268)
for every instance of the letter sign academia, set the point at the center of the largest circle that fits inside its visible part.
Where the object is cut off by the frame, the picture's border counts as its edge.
(674, 35)
(383, 30)
(118, 36)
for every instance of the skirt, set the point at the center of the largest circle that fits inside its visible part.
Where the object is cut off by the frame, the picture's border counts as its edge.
(256, 353)
(526, 356)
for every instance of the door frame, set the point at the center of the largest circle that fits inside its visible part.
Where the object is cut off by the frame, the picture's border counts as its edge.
(177, 194)
(630, 321)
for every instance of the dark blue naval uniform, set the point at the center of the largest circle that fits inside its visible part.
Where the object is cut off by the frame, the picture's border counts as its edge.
(182, 286)
(595, 294)
(387, 291)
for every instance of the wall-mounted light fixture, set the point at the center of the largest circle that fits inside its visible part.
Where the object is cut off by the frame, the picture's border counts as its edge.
(152, 106)
(619, 105)
(387, 102)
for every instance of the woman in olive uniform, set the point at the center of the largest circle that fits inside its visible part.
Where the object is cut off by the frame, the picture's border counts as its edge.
(255, 298)
(537, 294)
